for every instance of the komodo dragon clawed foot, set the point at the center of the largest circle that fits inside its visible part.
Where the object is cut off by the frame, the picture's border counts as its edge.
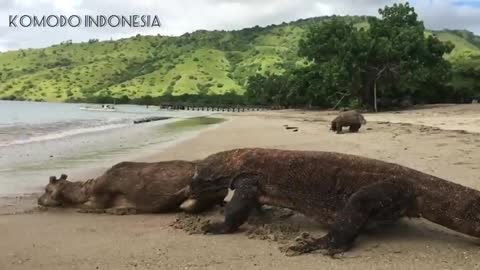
(306, 244)
(216, 228)
(243, 202)
(379, 201)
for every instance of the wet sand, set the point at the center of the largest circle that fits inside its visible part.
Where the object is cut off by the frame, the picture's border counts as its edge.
(443, 141)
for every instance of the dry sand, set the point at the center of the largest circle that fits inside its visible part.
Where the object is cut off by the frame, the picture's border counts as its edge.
(443, 141)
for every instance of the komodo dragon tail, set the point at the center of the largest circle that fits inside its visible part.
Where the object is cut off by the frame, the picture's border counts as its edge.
(449, 204)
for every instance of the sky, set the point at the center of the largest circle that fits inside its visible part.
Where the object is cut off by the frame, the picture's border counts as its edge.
(181, 16)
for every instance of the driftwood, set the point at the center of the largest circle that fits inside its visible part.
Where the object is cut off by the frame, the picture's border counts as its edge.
(150, 119)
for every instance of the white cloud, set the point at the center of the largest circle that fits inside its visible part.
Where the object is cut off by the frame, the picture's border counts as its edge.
(442, 14)
(180, 16)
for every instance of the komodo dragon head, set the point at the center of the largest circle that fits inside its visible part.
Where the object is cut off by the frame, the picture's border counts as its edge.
(52, 195)
(215, 173)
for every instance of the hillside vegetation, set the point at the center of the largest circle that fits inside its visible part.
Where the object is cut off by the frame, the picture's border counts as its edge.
(203, 62)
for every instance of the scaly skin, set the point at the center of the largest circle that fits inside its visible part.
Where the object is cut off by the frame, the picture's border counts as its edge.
(340, 190)
(131, 187)
(352, 119)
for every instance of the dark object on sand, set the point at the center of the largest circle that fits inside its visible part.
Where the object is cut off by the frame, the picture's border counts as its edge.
(352, 119)
(344, 191)
(294, 129)
(131, 187)
(150, 119)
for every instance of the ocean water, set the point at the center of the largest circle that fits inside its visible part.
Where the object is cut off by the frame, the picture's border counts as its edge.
(24, 122)
(42, 139)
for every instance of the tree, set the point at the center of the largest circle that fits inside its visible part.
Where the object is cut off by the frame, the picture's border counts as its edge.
(335, 49)
(466, 80)
(401, 58)
(392, 59)
(266, 89)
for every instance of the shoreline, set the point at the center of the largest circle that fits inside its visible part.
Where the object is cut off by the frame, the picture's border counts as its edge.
(83, 156)
(19, 203)
(63, 239)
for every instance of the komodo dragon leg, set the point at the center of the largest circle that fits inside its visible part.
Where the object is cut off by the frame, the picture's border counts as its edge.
(354, 128)
(244, 200)
(380, 201)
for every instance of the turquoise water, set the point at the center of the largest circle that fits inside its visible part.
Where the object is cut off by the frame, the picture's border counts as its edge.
(42, 139)
(23, 122)
(17, 112)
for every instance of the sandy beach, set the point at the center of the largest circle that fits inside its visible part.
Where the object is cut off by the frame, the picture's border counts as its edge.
(440, 140)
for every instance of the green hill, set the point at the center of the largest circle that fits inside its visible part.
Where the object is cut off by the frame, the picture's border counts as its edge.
(202, 62)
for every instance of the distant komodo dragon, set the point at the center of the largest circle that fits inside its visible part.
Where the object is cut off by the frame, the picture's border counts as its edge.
(343, 191)
(352, 119)
(132, 187)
